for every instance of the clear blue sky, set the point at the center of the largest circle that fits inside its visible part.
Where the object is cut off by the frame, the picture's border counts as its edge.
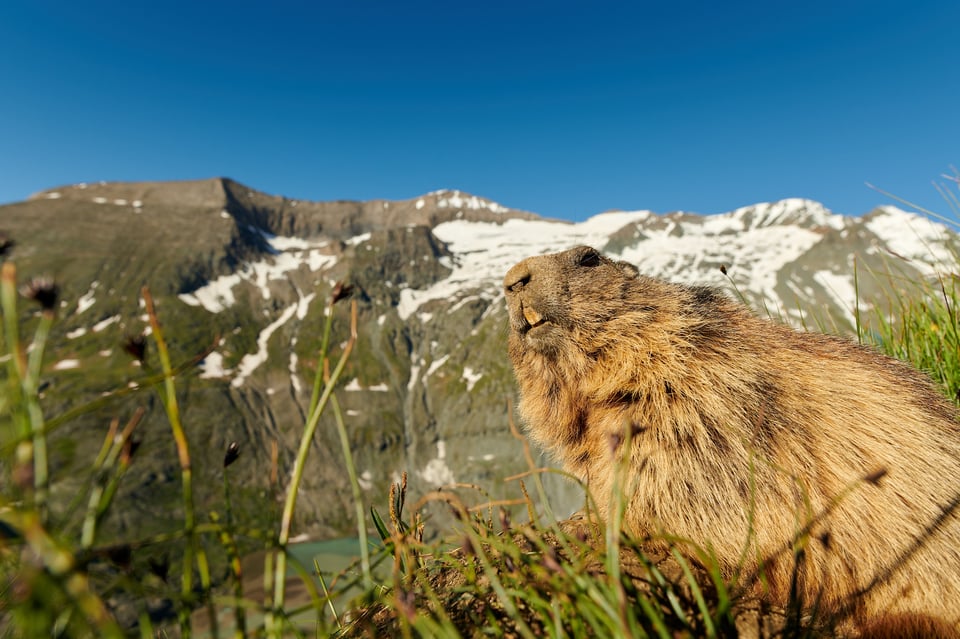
(562, 108)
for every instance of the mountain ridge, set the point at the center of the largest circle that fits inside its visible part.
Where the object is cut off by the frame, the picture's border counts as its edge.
(428, 390)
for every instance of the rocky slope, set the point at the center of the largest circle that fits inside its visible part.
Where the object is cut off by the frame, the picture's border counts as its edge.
(429, 387)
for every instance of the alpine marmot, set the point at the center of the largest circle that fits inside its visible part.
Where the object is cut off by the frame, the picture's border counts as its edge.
(745, 436)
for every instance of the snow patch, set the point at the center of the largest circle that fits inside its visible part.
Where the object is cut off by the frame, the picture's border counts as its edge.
(415, 367)
(471, 377)
(74, 334)
(212, 367)
(458, 200)
(66, 364)
(294, 379)
(289, 254)
(924, 244)
(436, 471)
(87, 299)
(99, 326)
(354, 385)
(365, 480)
(436, 364)
(252, 361)
(358, 239)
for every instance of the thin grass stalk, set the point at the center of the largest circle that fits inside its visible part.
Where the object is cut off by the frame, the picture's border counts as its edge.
(93, 479)
(616, 508)
(30, 383)
(18, 444)
(193, 550)
(327, 595)
(102, 492)
(858, 326)
(8, 299)
(357, 495)
(146, 626)
(286, 520)
(921, 209)
(532, 466)
(710, 629)
(229, 543)
(324, 345)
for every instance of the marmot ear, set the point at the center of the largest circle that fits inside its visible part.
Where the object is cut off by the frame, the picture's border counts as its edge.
(629, 269)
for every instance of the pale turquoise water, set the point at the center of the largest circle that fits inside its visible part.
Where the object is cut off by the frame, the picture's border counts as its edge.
(331, 557)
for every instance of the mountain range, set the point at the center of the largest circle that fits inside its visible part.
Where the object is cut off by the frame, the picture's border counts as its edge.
(247, 276)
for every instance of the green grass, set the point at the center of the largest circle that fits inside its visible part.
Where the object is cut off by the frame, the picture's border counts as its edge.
(919, 324)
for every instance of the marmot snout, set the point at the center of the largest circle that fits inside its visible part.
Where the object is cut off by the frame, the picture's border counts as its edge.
(742, 432)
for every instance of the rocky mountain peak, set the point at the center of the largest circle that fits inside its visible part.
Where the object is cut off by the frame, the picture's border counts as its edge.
(247, 275)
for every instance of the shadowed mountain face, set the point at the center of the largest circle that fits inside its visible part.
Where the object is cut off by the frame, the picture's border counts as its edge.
(427, 391)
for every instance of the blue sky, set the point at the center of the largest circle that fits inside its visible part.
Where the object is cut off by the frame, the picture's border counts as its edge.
(563, 108)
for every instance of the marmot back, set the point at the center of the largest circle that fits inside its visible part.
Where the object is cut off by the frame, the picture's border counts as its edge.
(742, 431)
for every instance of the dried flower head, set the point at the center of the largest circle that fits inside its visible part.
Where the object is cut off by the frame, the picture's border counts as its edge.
(159, 566)
(233, 451)
(6, 244)
(723, 269)
(121, 555)
(42, 290)
(136, 346)
(340, 291)
(129, 450)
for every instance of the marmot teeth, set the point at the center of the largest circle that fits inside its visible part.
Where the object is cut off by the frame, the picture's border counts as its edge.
(533, 318)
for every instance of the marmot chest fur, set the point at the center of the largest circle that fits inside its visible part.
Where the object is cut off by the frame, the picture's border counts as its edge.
(745, 436)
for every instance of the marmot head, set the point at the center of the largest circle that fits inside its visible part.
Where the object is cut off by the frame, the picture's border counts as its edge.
(566, 297)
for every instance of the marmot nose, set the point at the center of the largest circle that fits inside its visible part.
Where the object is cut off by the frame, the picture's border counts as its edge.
(516, 278)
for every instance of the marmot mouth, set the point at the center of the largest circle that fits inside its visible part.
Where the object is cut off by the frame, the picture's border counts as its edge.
(534, 319)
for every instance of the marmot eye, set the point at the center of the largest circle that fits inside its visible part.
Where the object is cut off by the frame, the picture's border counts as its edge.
(589, 258)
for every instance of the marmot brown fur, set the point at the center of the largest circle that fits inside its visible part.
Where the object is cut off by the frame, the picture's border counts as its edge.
(744, 434)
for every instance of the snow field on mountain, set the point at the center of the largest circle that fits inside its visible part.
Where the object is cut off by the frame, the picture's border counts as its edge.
(676, 251)
(754, 243)
(290, 253)
(922, 244)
